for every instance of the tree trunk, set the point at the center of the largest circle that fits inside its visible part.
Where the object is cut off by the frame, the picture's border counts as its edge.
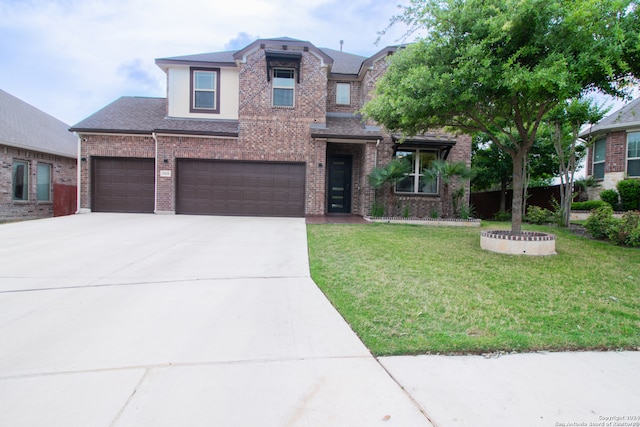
(445, 200)
(516, 205)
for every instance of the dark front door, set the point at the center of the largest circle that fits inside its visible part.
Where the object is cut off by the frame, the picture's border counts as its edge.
(339, 184)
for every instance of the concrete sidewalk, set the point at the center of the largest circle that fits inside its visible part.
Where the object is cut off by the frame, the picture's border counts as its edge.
(148, 320)
(537, 389)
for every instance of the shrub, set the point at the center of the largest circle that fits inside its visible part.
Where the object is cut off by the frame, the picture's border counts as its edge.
(405, 212)
(626, 231)
(377, 210)
(502, 216)
(629, 190)
(538, 215)
(467, 212)
(587, 206)
(611, 197)
(601, 222)
(633, 239)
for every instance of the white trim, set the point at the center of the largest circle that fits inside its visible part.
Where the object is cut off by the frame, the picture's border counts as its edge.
(626, 155)
(291, 88)
(78, 172)
(416, 171)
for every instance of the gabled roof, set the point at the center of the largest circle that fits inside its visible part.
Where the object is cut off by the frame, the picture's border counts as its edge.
(140, 115)
(342, 64)
(625, 118)
(281, 43)
(24, 126)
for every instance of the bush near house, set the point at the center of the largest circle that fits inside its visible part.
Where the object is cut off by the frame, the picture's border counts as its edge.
(611, 197)
(538, 215)
(587, 205)
(624, 231)
(629, 190)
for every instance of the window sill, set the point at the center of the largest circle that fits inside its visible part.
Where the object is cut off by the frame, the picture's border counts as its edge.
(418, 194)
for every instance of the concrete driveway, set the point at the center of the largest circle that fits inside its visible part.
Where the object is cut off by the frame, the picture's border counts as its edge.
(149, 320)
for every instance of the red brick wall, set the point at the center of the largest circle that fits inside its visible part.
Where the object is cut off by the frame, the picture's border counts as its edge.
(356, 97)
(63, 171)
(616, 152)
(283, 133)
(109, 146)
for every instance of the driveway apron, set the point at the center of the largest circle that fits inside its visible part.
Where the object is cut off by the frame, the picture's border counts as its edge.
(154, 320)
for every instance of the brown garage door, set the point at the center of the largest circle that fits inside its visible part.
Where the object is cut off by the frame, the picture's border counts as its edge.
(123, 185)
(211, 187)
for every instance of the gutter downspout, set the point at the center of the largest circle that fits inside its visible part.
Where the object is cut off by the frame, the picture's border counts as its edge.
(155, 180)
(79, 173)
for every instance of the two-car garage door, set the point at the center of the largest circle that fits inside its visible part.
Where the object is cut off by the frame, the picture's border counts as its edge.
(216, 187)
(203, 187)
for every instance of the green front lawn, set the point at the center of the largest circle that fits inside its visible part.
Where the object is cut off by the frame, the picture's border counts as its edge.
(422, 289)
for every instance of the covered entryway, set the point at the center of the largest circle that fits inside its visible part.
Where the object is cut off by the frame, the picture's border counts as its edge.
(222, 187)
(123, 185)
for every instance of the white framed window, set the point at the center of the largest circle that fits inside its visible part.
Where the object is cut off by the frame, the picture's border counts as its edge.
(599, 153)
(205, 95)
(20, 180)
(343, 93)
(283, 87)
(633, 154)
(415, 182)
(43, 179)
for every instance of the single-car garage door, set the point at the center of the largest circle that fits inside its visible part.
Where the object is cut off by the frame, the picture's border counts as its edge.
(123, 185)
(217, 187)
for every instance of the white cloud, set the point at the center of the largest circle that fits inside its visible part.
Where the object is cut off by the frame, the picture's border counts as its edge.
(72, 57)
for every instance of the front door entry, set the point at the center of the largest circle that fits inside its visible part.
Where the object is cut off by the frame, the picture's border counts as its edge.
(339, 168)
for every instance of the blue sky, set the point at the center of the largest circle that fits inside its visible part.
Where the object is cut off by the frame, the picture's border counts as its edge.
(70, 58)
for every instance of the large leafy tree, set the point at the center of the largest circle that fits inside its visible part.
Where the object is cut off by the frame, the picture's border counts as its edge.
(499, 66)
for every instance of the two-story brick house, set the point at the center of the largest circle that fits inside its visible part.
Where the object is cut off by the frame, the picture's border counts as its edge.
(615, 151)
(271, 129)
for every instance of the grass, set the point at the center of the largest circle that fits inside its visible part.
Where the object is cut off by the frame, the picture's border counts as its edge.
(419, 289)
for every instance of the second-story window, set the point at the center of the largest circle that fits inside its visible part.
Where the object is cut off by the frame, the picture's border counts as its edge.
(283, 87)
(205, 95)
(343, 93)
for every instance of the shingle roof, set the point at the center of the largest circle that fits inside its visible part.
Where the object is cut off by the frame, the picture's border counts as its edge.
(345, 126)
(147, 115)
(344, 63)
(626, 117)
(216, 57)
(24, 126)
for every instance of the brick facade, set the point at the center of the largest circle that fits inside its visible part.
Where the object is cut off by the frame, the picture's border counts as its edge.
(63, 171)
(615, 162)
(268, 133)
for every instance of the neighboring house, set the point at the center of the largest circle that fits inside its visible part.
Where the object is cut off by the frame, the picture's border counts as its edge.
(615, 150)
(271, 129)
(38, 158)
